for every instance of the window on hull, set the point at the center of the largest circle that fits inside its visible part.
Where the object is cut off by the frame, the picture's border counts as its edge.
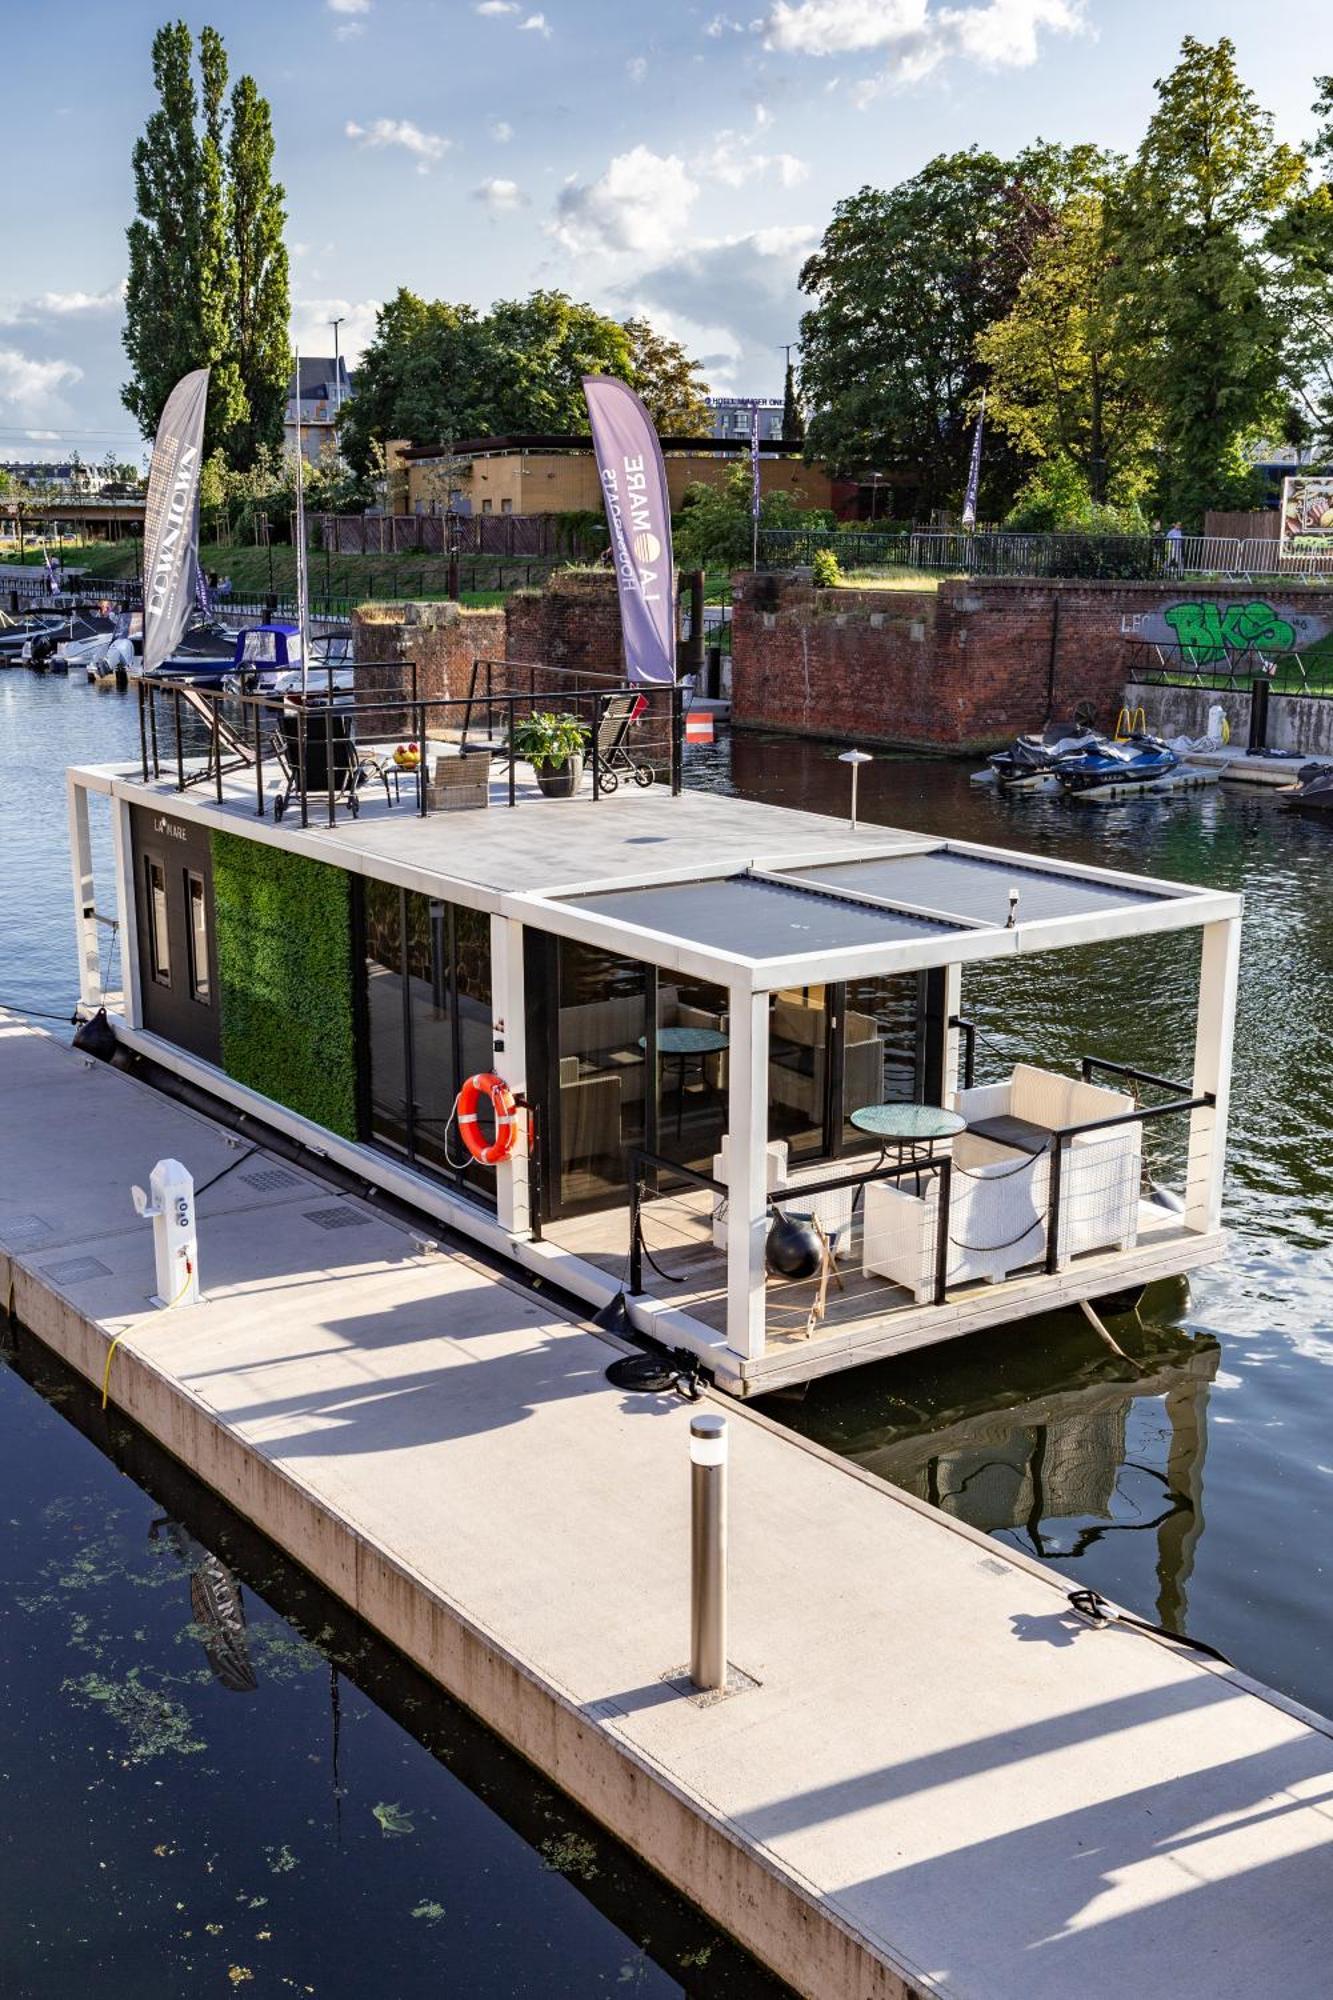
(159, 934)
(196, 934)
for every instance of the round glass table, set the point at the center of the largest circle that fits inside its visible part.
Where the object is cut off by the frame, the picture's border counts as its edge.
(908, 1128)
(685, 1045)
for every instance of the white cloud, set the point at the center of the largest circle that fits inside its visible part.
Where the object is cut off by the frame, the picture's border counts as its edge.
(349, 31)
(501, 131)
(500, 197)
(722, 24)
(30, 391)
(312, 333)
(349, 6)
(62, 305)
(918, 35)
(536, 24)
(732, 160)
(425, 147)
(636, 69)
(640, 203)
(743, 285)
(493, 8)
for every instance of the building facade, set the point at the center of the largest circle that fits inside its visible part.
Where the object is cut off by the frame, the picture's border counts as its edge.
(558, 475)
(325, 385)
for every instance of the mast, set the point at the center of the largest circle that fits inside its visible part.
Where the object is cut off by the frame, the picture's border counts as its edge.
(302, 580)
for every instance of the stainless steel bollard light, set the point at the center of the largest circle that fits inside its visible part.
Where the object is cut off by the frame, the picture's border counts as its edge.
(708, 1551)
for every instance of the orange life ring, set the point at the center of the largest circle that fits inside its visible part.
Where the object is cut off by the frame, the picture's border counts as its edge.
(487, 1084)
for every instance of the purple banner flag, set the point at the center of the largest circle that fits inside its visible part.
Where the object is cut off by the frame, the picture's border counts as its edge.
(974, 472)
(754, 464)
(638, 513)
(171, 531)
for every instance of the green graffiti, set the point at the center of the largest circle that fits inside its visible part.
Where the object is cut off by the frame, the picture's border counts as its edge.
(1207, 632)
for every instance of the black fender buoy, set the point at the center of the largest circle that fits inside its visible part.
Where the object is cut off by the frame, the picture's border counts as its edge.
(793, 1249)
(97, 1037)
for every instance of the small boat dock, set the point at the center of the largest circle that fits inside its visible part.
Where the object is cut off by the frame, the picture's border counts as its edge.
(934, 1776)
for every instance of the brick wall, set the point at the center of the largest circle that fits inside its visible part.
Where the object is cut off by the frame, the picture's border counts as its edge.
(963, 668)
(441, 639)
(573, 623)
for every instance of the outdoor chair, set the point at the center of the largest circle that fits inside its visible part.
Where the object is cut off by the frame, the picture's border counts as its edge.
(324, 733)
(1101, 1171)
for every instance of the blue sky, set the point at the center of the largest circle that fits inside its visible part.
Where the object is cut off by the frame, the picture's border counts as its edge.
(680, 161)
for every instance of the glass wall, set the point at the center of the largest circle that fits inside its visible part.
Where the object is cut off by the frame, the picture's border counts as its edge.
(799, 1051)
(882, 1047)
(428, 1017)
(601, 1067)
(693, 1032)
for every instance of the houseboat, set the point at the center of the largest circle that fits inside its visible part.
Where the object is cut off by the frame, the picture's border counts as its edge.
(735, 1037)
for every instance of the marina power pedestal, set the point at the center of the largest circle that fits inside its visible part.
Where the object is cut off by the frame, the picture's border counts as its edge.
(170, 1203)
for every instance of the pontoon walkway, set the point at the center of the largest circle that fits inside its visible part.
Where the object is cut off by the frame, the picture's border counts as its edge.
(941, 1782)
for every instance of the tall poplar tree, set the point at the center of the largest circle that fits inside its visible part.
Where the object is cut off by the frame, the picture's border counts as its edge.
(207, 283)
(162, 336)
(263, 298)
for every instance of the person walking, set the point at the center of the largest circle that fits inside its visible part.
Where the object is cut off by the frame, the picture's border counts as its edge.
(1175, 544)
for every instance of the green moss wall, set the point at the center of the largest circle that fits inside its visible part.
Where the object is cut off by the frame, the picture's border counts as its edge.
(285, 978)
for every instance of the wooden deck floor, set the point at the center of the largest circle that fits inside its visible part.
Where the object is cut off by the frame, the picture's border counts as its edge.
(868, 1316)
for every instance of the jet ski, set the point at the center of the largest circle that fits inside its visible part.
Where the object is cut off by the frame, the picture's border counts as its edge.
(1121, 764)
(1312, 791)
(1028, 765)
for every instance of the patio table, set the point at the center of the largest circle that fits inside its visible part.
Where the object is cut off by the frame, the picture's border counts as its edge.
(908, 1128)
(685, 1045)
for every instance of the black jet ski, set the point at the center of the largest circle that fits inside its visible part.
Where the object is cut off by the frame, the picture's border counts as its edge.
(1028, 765)
(1312, 791)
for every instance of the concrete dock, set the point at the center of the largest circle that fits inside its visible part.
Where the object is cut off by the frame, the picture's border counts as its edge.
(938, 1781)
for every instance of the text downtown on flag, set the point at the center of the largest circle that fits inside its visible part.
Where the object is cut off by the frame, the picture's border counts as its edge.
(171, 520)
(974, 471)
(638, 514)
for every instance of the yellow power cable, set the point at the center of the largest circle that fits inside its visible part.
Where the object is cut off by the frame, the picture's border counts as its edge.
(106, 1372)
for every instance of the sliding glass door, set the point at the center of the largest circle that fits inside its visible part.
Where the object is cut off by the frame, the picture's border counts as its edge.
(428, 1025)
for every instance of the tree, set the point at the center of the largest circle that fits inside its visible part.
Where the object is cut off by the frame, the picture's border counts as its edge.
(438, 373)
(1068, 380)
(1207, 183)
(793, 423)
(543, 346)
(664, 375)
(715, 527)
(903, 284)
(1302, 241)
(162, 334)
(263, 299)
(207, 215)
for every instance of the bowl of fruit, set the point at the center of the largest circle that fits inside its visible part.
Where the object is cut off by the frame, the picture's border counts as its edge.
(407, 756)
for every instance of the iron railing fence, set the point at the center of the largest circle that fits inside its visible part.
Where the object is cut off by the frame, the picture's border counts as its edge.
(317, 736)
(1229, 669)
(391, 582)
(1072, 555)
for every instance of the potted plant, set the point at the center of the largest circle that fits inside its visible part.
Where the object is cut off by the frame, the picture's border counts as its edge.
(553, 745)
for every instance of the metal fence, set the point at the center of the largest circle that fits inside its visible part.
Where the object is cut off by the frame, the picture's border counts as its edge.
(994, 552)
(1230, 670)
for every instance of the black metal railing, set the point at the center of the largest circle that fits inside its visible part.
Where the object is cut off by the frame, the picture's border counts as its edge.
(1229, 669)
(243, 730)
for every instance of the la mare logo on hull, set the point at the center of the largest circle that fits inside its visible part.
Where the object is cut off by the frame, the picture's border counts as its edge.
(170, 829)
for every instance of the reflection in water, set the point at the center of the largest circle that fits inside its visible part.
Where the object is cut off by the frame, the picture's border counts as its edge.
(216, 1606)
(1059, 1474)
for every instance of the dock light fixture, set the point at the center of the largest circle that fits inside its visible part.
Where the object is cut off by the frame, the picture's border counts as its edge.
(1013, 909)
(708, 1551)
(855, 758)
